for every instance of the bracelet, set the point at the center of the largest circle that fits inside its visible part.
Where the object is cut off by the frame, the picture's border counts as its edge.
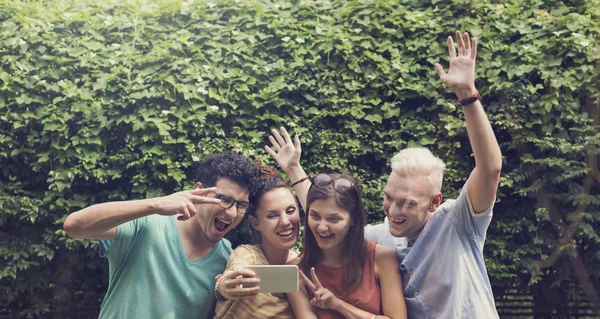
(299, 181)
(374, 317)
(218, 294)
(470, 100)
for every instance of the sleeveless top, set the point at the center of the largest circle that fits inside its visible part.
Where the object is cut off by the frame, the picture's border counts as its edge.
(366, 296)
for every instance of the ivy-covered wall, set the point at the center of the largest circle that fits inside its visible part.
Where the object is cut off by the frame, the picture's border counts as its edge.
(119, 99)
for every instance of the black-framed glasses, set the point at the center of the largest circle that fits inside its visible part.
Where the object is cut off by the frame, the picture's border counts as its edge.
(227, 202)
(340, 185)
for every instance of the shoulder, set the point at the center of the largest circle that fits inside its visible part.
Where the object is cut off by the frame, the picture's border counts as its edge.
(246, 254)
(383, 253)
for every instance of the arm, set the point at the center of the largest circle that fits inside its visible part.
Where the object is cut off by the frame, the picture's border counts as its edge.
(288, 157)
(301, 304)
(390, 282)
(483, 181)
(100, 221)
(299, 300)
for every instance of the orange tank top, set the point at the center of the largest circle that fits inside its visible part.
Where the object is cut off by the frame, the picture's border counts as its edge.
(366, 296)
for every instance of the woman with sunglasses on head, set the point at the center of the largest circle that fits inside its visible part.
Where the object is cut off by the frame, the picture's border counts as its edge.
(350, 277)
(274, 219)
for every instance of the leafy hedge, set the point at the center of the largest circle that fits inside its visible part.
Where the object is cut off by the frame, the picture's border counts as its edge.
(115, 100)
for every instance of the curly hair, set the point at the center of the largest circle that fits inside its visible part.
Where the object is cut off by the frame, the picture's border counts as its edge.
(231, 165)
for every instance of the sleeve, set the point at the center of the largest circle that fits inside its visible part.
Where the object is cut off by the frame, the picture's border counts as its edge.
(473, 224)
(126, 235)
(240, 257)
(372, 232)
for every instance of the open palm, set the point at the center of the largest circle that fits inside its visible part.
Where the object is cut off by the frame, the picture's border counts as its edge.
(461, 74)
(287, 153)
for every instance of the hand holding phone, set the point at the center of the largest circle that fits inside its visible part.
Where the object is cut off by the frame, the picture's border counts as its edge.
(276, 278)
(238, 284)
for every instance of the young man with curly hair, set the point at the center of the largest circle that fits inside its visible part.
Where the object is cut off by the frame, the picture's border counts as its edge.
(165, 252)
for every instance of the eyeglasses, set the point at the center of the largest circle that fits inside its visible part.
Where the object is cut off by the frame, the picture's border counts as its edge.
(227, 202)
(341, 185)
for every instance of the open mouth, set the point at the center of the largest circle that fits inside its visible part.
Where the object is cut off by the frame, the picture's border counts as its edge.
(325, 237)
(398, 221)
(221, 225)
(287, 234)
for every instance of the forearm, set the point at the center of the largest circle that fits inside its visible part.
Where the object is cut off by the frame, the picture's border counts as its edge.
(296, 174)
(352, 312)
(301, 305)
(488, 157)
(99, 218)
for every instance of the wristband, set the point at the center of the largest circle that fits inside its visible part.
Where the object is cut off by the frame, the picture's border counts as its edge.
(218, 294)
(299, 181)
(470, 100)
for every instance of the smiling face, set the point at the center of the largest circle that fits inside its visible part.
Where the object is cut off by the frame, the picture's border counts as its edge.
(277, 218)
(329, 223)
(214, 220)
(408, 203)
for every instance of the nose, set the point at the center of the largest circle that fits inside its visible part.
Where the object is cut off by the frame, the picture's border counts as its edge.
(395, 209)
(285, 220)
(231, 211)
(322, 227)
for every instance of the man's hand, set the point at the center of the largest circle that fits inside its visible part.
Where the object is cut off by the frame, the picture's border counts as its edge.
(287, 153)
(184, 203)
(461, 75)
(323, 298)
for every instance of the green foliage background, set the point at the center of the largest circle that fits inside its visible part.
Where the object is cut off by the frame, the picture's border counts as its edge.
(115, 100)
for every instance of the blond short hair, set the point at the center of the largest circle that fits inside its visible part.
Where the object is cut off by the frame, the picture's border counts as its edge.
(419, 161)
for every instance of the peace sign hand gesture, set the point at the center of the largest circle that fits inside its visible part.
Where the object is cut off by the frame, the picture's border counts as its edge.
(323, 298)
(461, 74)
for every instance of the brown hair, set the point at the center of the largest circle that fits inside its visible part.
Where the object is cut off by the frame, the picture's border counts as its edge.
(269, 179)
(355, 246)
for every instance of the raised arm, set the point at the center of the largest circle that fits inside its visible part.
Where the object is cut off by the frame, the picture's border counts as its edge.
(483, 182)
(287, 154)
(100, 221)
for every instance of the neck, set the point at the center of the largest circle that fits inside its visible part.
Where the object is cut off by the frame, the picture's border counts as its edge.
(191, 233)
(333, 256)
(275, 255)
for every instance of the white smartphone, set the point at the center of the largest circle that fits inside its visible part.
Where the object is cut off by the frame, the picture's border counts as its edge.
(276, 278)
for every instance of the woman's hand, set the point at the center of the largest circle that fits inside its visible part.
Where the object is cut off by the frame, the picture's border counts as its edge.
(287, 153)
(239, 283)
(323, 298)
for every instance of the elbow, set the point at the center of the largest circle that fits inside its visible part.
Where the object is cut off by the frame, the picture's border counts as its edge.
(72, 226)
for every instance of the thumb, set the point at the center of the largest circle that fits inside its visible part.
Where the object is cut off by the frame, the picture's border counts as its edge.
(440, 71)
(313, 302)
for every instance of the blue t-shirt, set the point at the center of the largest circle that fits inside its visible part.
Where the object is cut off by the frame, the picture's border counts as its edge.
(150, 276)
(443, 273)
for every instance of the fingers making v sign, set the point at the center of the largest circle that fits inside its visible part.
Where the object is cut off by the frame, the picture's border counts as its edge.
(322, 297)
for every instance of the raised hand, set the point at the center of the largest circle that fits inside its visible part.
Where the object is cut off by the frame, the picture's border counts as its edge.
(287, 154)
(323, 298)
(184, 203)
(239, 283)
(461, 74)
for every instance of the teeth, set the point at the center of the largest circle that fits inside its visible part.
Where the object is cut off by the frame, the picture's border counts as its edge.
(397, 220)
(286, 233)
(224, 222)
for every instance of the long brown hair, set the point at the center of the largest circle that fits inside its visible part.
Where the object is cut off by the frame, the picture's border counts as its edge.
(269, 180)
(355, 246)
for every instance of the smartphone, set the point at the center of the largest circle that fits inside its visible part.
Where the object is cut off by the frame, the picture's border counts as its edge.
(276, 278)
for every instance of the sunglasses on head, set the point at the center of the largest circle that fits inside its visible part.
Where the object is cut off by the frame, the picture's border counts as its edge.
(341, 185)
